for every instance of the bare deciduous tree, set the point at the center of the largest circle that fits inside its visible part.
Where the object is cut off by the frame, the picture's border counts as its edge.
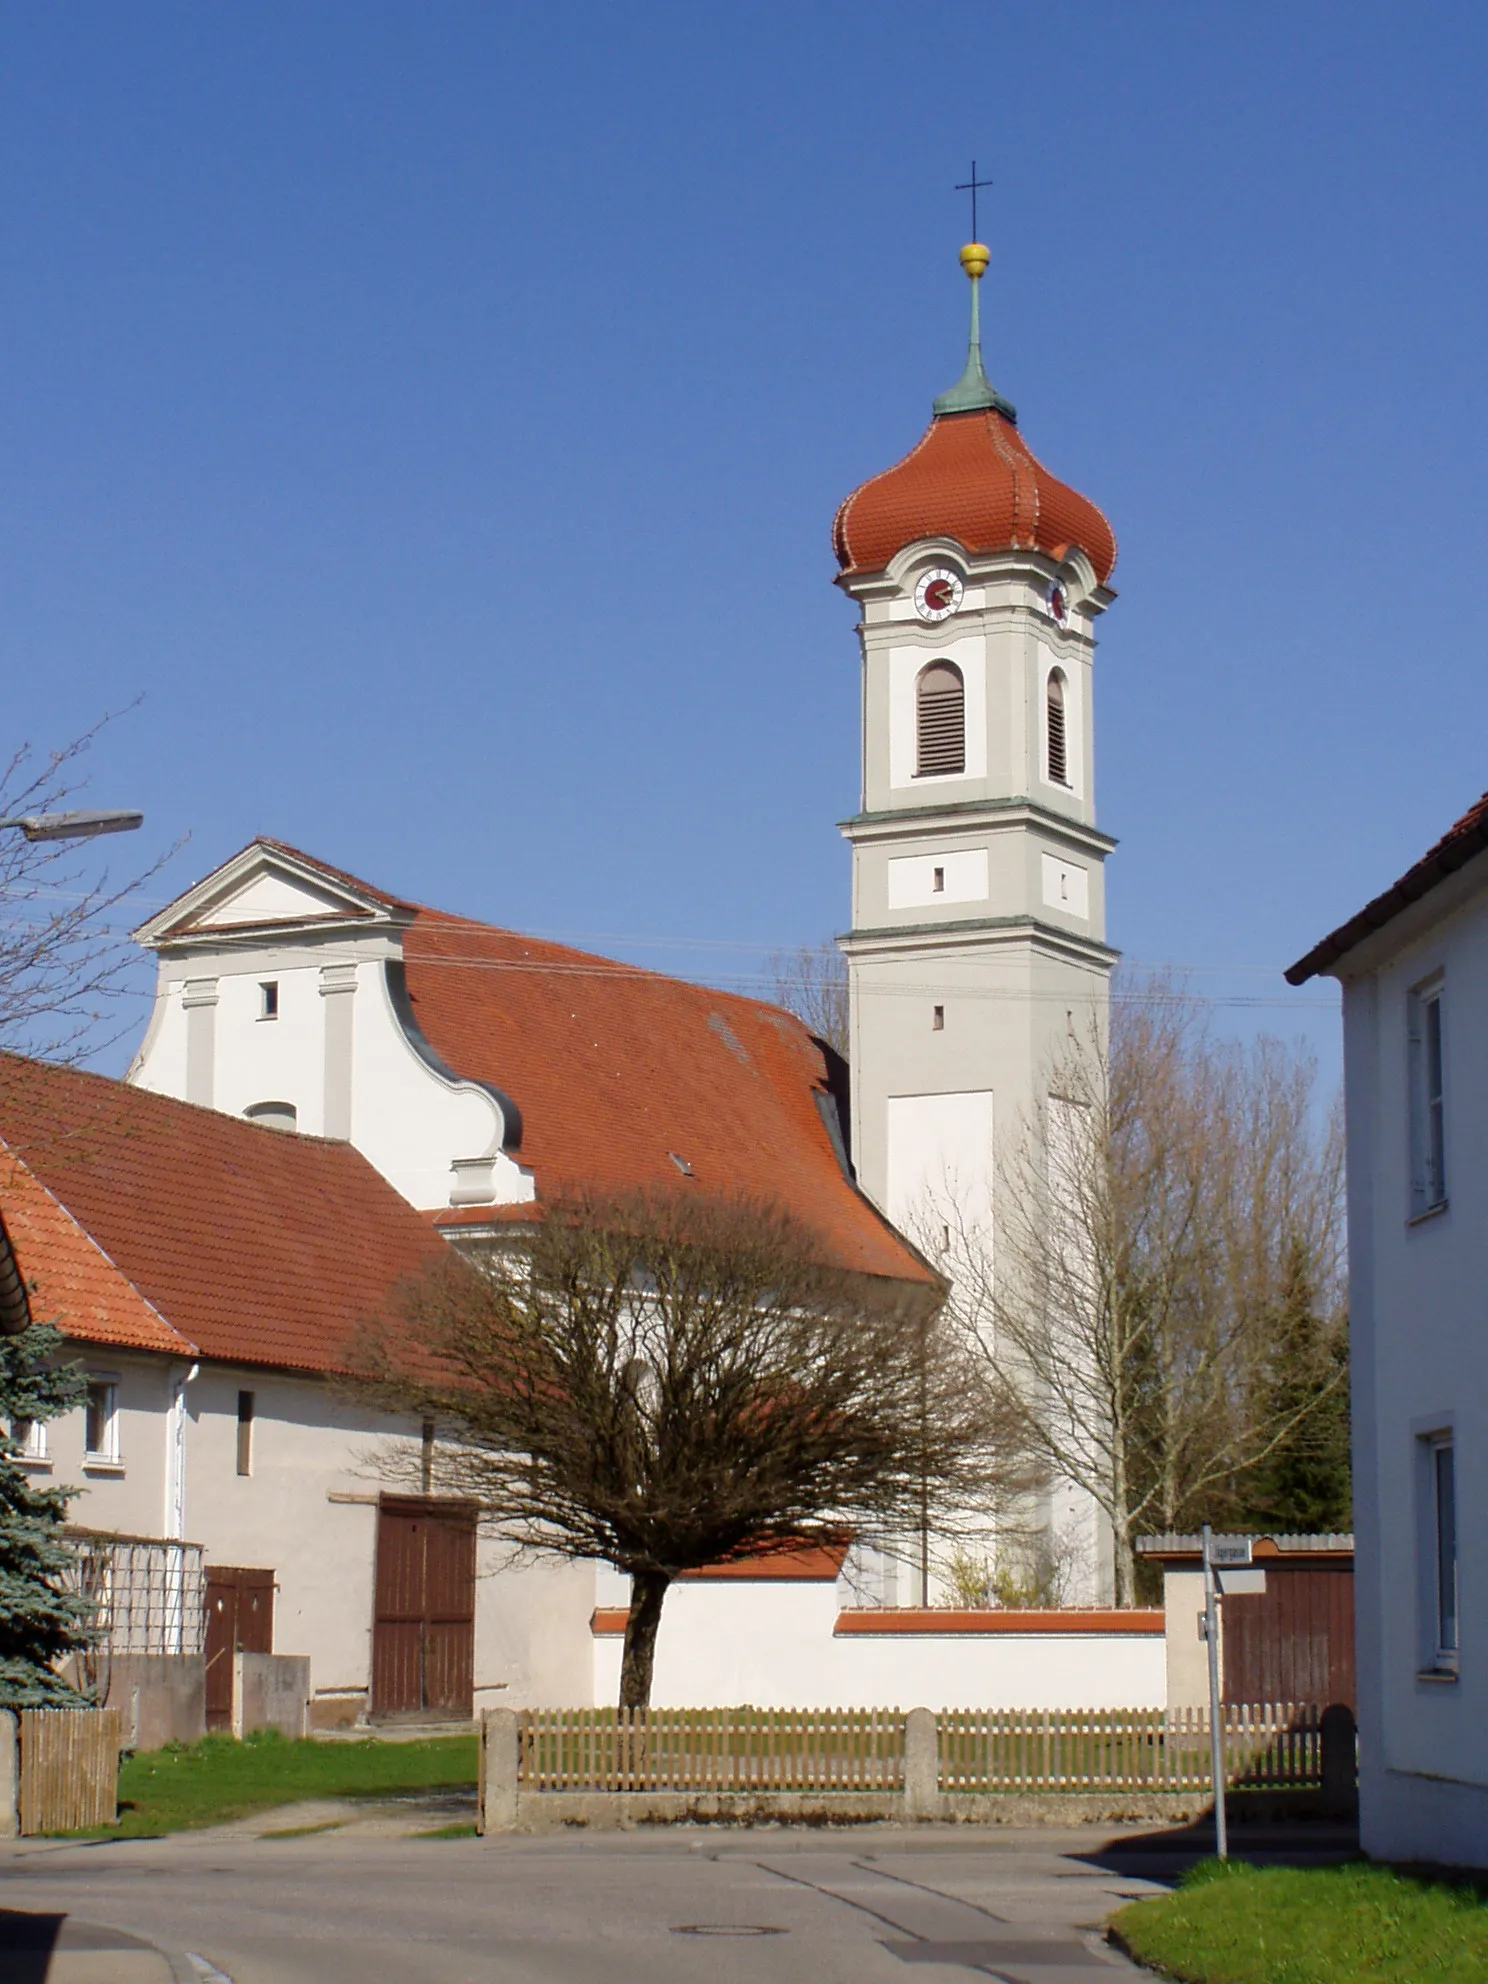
(660, 1383)
(812, 983)
(64, 959)
(1150, 1231)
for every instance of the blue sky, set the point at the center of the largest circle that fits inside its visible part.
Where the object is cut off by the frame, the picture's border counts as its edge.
(437, 414)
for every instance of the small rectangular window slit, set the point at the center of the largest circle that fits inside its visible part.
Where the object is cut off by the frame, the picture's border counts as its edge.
(937, 881)
(245, 1432)
(268, 999)
(937, 1019)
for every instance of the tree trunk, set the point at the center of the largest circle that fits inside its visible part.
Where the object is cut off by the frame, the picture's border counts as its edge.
(648, 1590)
(1126, 1565)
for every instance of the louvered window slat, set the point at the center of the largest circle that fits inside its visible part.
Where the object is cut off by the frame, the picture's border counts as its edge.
(1058, 759)
(940, 739)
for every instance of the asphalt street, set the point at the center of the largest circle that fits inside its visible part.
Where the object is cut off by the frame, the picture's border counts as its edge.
(738, 1907)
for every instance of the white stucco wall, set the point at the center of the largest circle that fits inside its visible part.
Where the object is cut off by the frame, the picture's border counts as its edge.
(1420, 1361)
(772, 1644)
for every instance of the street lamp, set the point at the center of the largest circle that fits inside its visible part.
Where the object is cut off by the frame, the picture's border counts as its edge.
(74, 826)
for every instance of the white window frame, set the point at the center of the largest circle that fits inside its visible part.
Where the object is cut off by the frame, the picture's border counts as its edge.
(107, 1455)
(1440, 1609)
(1427, 1097)
(32, 1450)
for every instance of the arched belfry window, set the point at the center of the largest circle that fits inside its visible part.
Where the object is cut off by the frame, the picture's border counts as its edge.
(940, 721)
(1058, 747)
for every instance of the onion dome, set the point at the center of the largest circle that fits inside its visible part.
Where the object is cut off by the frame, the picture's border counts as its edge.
(973, 479)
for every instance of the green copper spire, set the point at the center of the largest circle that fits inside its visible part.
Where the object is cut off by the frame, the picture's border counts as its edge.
(974, 391)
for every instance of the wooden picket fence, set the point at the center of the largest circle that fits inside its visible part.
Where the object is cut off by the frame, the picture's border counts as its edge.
(1275, 1746)
(69, 1768)
(702, 1750)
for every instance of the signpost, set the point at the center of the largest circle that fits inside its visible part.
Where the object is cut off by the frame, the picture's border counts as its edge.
(1233, 1552)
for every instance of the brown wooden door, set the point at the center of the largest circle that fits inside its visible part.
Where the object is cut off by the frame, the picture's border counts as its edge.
(240, 1619)
(1293, 1642)
(423, 1640)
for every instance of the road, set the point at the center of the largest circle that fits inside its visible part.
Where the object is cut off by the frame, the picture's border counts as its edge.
(731, 1908)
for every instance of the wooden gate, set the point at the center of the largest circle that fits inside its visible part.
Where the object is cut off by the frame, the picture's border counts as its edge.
(1293, 1642)
(240, 1619)
(423, 1642)
(69, 1768)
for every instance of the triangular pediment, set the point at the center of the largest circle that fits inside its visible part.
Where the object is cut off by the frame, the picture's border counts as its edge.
(269, 887)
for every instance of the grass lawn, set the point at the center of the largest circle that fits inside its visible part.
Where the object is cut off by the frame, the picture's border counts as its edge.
(1324, 1925)
(218, 1779)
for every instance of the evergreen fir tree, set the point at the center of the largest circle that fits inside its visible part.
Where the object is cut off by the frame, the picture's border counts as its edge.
(1304, 1485)
(40, 1622)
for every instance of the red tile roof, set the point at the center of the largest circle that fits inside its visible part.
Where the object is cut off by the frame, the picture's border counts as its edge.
(619, 1072)
(973, 479)
(870, 1623)
(1457, 846)
(153, 1224)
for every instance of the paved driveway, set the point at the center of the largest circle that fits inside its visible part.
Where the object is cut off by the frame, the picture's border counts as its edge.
(730, 1908)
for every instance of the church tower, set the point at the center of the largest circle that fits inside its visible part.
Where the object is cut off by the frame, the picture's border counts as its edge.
(977, 952)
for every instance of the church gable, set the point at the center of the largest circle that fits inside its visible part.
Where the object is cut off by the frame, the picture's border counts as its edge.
(269, 886)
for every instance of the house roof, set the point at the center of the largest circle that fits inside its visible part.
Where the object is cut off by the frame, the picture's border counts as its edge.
(152, 1224)
(1179, 1548)
(624, 1076)
(1457, 846)
(974, 479)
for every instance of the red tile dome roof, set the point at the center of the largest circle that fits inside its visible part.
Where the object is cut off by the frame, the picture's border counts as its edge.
(972, 478)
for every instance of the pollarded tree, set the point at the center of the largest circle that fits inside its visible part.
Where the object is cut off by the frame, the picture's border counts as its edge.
(662, 1382)
(40, 1621)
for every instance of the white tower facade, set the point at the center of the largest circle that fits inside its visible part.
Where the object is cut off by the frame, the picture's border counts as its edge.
(977, 956)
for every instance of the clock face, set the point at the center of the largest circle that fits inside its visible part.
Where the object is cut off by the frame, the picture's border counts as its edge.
(937, 595)
(1059, 604)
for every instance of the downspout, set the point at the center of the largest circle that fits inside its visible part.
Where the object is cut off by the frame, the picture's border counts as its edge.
(175, 1507)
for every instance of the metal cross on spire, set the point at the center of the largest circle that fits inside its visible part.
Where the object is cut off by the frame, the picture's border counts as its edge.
(973, 186)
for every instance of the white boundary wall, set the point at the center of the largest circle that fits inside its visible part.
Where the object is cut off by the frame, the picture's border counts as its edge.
(774, 1645)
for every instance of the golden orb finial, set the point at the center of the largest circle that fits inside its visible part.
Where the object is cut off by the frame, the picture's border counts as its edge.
(974, 259)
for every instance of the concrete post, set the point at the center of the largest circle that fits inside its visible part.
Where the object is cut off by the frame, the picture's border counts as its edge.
(10, 1774)
(497, 1807)
(921, 1765)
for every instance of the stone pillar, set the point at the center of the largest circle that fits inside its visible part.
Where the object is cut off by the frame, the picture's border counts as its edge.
(921, 1765)
(10, 1774)
(338, 984)
(200, 1003)
(497, 1808)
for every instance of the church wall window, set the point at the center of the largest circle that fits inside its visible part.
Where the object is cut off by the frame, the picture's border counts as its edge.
(268, 999)
(940, 721)
(1057, 765)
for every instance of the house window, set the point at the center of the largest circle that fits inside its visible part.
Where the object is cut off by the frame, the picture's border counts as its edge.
(940, 721)
(1058, 755)
(28, 1437)
(268, 999)
(1428, 1129)
(1439, 1567)
(937, 1019)
(937, 881)
(101, 1422)
(272, 1115)
(245, 1432)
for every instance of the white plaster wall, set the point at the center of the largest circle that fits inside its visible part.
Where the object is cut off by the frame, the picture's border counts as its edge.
(406, 1119)
(129, 1499)
(309, 1445)
(772, 1645)
(963, 875)
(940, 1163)
(1419, 1318)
